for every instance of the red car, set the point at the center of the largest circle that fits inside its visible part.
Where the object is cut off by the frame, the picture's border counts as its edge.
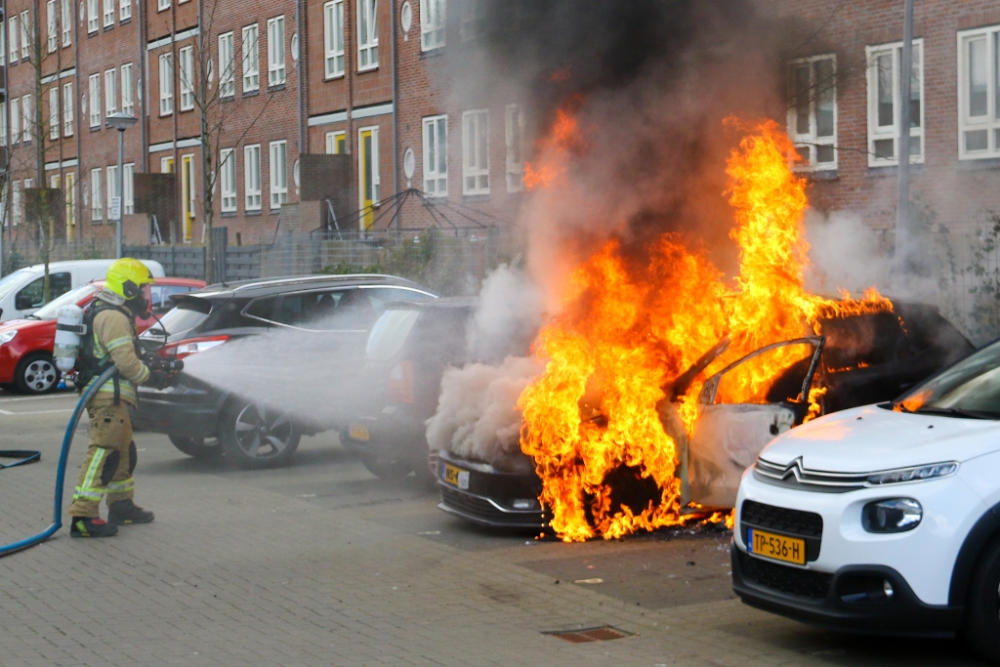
(26, 363)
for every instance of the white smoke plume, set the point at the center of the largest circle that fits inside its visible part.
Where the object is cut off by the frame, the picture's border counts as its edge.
(844, 254)
(508, 315)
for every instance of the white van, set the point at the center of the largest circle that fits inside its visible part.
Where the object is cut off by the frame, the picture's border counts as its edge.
(21, 292)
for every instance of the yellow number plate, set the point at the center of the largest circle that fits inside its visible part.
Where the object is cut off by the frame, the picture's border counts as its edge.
(360, 432)
(778, 547)
(455, 476)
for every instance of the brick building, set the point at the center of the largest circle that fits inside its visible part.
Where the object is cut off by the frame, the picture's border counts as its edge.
(229, 99)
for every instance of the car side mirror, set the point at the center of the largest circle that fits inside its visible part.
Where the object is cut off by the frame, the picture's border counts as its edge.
(23, 302)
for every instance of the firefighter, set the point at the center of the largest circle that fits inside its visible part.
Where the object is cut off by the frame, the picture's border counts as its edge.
(110, 339)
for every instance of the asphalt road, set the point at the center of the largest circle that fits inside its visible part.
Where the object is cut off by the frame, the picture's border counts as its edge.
(320, 563)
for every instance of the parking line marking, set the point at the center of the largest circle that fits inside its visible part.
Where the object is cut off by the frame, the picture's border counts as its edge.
(8, 413)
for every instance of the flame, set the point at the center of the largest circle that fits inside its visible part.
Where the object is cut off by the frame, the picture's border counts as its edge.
(627, 328)
(556, 148)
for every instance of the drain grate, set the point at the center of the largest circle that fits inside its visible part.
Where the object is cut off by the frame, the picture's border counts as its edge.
(600, 634)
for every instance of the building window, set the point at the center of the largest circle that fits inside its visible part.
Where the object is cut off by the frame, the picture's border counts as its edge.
(124, 10)
(166, 165)
(188, 194)
(96, 193)
(54, 122)
(15, 121)
(112, 190)
(436, 156)
(25, 35)
(251, 59)
(110, 92)
(276, 51)
(279, 174)
(514, 140)
(28, 118)
(186, 56)
(336, 143)
(473, 19)
(70, 204)
(128, 106)
(367, 34)
(3, 54)
(884, 103)
(3, 123)
(227, 65)
(92, 20)
(16, 203)
(68, 102)
(227, 175)
(979, 93)
(128, 172)
(53, 35)
(476, 152)
(333, 37)
(94, 100)
(251, 176)
(432, 23)
(162, 5)
(109, 13)
(812, 114)
(67, 25)
(166, 84)
(13, 32)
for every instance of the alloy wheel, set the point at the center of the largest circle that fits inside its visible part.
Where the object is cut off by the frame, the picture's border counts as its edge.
(40, 375)
(263, 433)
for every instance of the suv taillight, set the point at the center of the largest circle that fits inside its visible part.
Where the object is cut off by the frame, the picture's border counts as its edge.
(400, 386)
(185, 348)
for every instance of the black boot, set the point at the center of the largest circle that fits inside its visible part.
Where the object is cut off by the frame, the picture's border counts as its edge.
(124, 512)
(91, 527)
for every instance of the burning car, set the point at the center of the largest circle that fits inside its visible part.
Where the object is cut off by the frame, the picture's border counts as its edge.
(857, 360)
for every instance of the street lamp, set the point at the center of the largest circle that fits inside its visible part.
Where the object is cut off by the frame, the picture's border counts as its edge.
(120, 121)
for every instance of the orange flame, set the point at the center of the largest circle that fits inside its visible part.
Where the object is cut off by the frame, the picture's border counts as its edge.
(627, 329)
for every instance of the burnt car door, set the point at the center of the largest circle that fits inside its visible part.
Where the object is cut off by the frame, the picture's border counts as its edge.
(728, 436)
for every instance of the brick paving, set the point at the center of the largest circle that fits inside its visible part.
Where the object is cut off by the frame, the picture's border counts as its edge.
(320, 564)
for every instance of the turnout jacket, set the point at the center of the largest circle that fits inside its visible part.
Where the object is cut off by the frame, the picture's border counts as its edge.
(115, 338)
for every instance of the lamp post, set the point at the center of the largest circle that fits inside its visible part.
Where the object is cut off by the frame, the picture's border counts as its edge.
(120, 121)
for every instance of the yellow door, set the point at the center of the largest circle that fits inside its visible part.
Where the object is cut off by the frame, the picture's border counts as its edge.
(368, 170)
(187, 194)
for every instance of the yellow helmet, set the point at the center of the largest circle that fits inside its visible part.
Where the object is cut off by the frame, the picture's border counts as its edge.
(126, 277)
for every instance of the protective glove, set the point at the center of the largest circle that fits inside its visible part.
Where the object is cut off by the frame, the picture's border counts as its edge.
(158, 380)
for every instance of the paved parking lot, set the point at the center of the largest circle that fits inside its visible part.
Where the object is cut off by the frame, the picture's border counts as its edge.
(321, 564)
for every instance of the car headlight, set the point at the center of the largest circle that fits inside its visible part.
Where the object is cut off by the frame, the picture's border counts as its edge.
(914, 474)
(7, 336)
(894, 515)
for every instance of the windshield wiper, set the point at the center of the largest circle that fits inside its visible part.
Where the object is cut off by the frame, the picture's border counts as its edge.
(956, 412)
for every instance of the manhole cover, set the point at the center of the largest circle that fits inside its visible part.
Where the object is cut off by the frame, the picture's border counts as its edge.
(600, 634)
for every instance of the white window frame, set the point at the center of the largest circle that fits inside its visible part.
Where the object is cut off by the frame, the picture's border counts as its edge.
(96, 195)
(227, 179)
(162, 5)
(28, 118)
(128, 101)
(811, 138)
(94, 100)
(50, 20)
(473, 19)
(166, 70)
(514, 142)
(128, 182)
(3, 48)
(69, 101)
(989, 122)
(186, 57)
(227, 65)
(375, 165)
(112, 186)
(70, 199)
(278, 169)
(251, 177)
(367, 35)
(15, 120)
(26, 39)
(435, 150)
(432, 24)
(109, 13)
(250, 44)
(54, 120)
(15, 207)
(890, 133)
(13, 33)
(93, 20)
(3, 123)
(476, 152)
(67, 22)
(276, 51)
(124, 10)
(110, 92)
(333, 39)
(331, 141)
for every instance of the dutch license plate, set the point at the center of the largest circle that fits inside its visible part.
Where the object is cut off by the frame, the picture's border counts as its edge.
(360, 432)
(778, 547)
(455, 476)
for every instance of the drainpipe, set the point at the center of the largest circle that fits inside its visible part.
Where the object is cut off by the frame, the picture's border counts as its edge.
(395, 115)
(903, 157)
(303, 73)
(6, 165)
(141, 89)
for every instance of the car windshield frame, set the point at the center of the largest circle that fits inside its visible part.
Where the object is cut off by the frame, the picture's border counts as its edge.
(50, 311)
(955, 391)
(11, 281)
(160, 330)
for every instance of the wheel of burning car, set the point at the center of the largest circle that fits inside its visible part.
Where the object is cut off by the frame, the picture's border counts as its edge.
(258, 436)
(37, 374)
(982, 609)
(199, 448)
(387, 469)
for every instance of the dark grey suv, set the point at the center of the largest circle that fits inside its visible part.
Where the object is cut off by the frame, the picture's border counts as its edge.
(277, 353)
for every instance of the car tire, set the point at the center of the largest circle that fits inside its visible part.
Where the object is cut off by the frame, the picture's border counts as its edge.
(258, 436)
(981, 629)
(204, 449)
(8, 386)
(37, 374)
(383, 469)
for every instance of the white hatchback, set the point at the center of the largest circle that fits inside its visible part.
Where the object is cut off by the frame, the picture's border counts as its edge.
(884, 518)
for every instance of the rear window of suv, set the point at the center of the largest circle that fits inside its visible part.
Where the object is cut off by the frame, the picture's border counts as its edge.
(389, 334)
(188, 314)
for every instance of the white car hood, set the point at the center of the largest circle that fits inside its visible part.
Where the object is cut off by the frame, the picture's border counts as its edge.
(870, 438)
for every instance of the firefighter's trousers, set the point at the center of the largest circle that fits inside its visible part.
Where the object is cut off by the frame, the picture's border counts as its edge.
(110, 460)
